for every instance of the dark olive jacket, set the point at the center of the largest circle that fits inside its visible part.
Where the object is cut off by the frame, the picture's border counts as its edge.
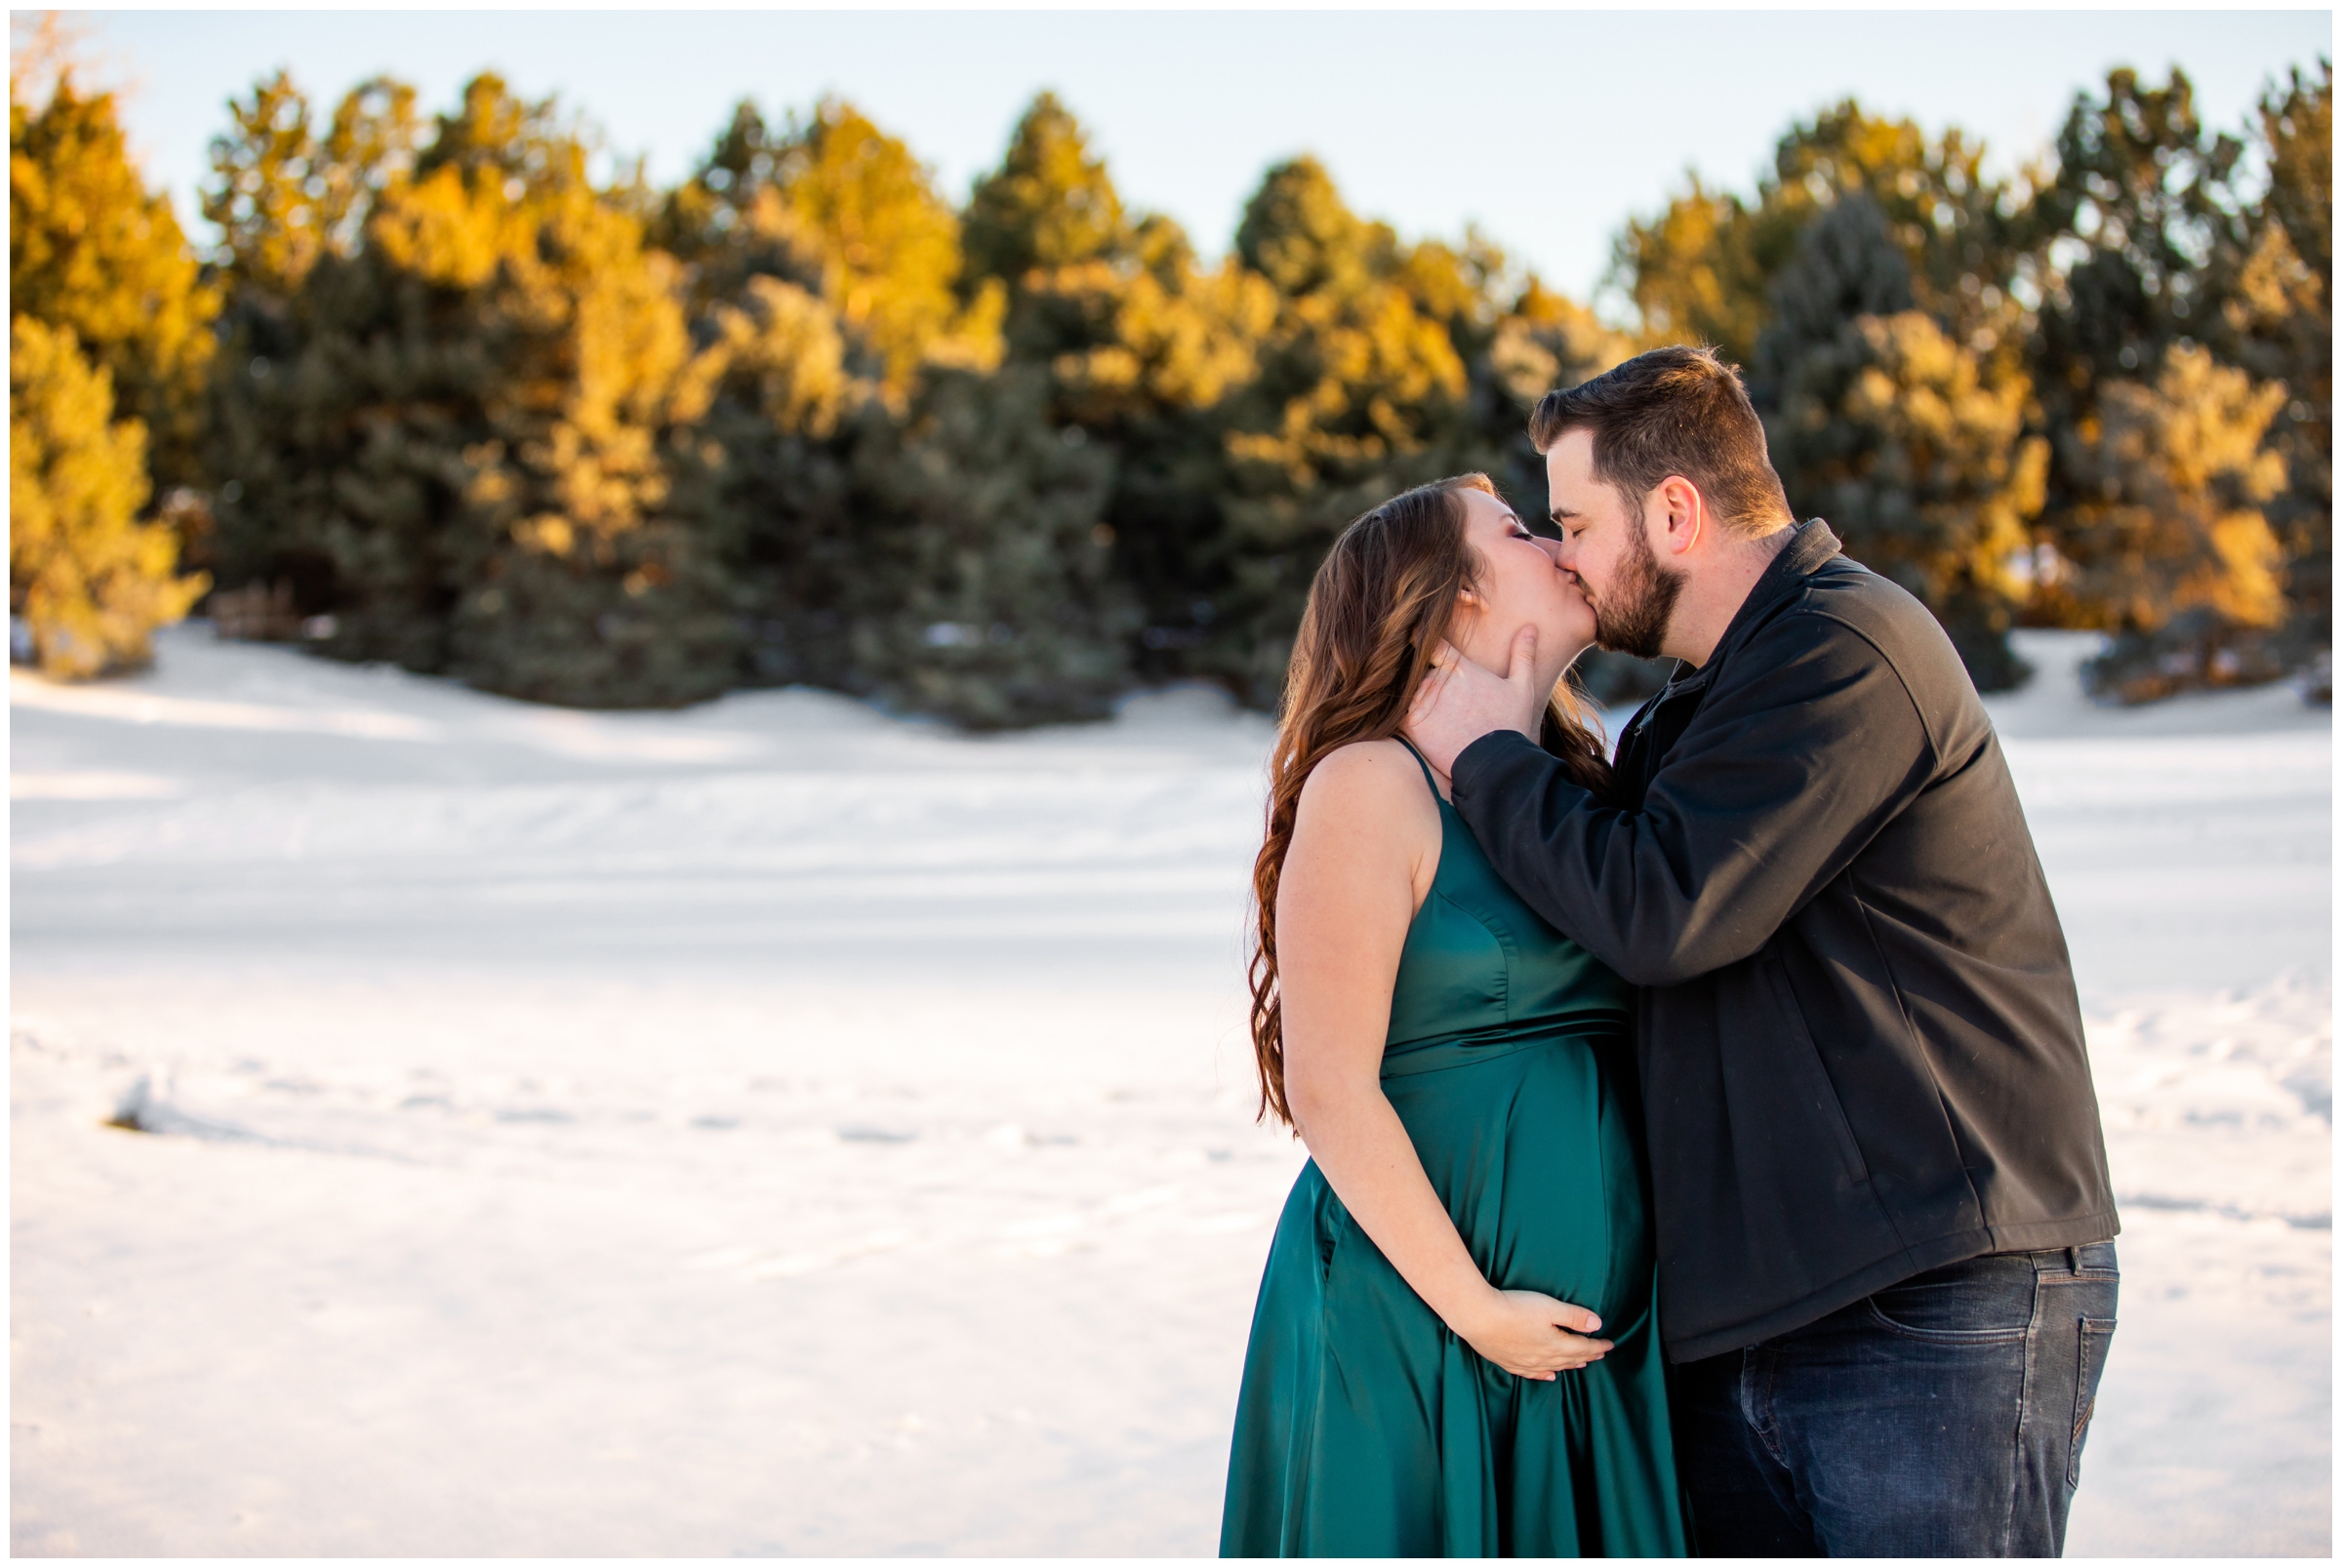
(1860, 1047)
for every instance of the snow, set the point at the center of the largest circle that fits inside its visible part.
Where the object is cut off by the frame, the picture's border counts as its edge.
(777, 1127)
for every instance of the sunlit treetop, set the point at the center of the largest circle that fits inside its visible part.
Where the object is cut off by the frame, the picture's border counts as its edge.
(1049, 204)
(93, 250)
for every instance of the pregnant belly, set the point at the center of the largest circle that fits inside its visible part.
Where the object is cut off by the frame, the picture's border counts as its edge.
(1536, 1154)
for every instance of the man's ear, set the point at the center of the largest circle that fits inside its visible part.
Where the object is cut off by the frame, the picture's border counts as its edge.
(1683, 513)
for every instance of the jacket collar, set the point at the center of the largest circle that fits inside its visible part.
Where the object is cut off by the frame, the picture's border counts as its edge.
(1811, 545)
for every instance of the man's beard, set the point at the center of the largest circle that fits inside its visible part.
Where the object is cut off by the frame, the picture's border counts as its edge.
(1631, 617)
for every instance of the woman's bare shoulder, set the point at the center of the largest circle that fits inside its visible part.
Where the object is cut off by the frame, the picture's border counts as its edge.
(1372, 779)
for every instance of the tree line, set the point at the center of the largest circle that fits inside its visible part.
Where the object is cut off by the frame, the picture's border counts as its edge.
(434, 395)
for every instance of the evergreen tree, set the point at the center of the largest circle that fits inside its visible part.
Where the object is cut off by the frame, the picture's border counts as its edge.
(1703, 269)
(1161, 376)
(1050, 203)
(1142, 349)
(768, 416)
(2163, 264)
(92, 250)
(2176, 474)
(727, 223)
(90, 580)
(798, 420)
(108, 329)
(465, 442)
(834, 204)
(888, 245)
(2143, 189)
(282, 196)
(1361, 392)
(1847, 266)
(1697, 270)
(906, 527)
(1541, 343)
(2277, 324)
(268, 192)
(1899, 435)
(1960, 234)
(1005, 610)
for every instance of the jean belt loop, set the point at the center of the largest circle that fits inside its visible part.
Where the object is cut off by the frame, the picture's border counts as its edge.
(2074, 1259)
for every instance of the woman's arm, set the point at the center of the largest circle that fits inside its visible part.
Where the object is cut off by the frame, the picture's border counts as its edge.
(1365, 847)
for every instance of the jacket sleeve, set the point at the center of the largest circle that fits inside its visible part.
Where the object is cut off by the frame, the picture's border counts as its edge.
(1806, 747)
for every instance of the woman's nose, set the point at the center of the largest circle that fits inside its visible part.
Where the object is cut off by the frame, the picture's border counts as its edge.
(1552, 548)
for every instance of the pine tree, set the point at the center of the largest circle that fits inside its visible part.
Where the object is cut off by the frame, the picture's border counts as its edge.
(1697, 270)
(282, 196)
(2167, 271)
(1899, 435)
(727, 223)
(1049, 204)
(769, 414)
(1361, 393)
(888, 245)
(1143, 351)
(1541, 343)
(467, 440)
(905, 524)
(2145, 191)
(2277, 324)
(1701, 269)
(1958, 229)
(1847, 266)
(90, 580)
(92, 250)
(108, 336)
(835, 205)
(2176, 474)
(269, 197)
(1009, 612)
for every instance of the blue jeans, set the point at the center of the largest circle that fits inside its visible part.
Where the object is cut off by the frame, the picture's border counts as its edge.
(1943, 1416)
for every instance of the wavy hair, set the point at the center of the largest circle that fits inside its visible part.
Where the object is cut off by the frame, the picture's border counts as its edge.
(1379, 607)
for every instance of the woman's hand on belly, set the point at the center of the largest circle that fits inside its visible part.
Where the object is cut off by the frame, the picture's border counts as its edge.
(1530, 1335)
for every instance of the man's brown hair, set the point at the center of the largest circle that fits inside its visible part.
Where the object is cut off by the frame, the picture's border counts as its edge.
(1673, 411)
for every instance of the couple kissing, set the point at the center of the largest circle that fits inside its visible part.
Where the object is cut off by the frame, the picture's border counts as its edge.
(1703, 1158)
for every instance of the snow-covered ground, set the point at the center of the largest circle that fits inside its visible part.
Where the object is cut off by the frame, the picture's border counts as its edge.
(777, 1128)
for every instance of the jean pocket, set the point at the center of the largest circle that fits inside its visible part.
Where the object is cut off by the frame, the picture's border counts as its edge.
(1982, 1300)
(2097, 1333)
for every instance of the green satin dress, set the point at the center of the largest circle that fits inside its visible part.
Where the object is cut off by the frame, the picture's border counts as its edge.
(1364, 1428)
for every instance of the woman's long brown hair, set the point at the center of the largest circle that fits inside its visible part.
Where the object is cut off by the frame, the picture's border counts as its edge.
(1379, 607)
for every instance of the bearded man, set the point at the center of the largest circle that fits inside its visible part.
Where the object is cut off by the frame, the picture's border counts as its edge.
(1887, 1278)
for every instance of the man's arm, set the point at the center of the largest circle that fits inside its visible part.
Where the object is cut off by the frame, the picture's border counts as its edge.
(1808, 746)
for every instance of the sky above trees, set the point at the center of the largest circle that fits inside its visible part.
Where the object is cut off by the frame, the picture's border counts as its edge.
(1548, 130)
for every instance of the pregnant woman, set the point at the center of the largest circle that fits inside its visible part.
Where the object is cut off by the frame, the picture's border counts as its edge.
(1454, 1352)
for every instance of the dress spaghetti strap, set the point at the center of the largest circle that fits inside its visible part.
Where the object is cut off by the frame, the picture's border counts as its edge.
(1429, 777)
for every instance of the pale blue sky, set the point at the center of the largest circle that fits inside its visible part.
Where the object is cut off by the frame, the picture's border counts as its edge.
(1548, 129)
